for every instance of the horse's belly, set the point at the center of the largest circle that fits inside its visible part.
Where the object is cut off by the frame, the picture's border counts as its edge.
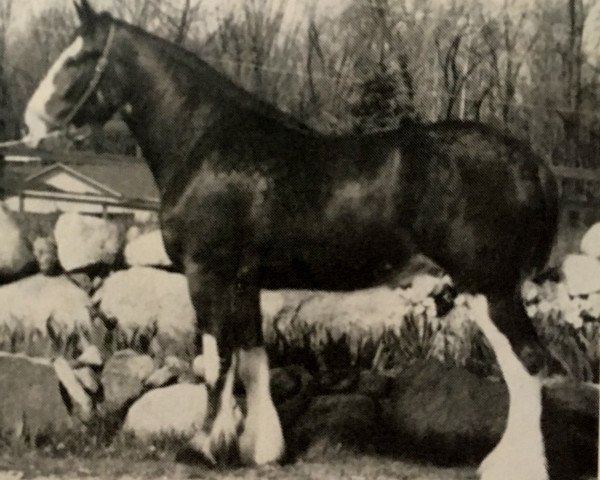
(342, 263)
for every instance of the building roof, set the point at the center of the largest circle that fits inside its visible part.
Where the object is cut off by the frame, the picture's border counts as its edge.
(117, 175)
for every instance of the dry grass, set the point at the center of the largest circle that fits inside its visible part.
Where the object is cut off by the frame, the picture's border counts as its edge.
(157, 460)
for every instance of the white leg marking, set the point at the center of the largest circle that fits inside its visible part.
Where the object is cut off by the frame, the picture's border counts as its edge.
(226, 423)
(210, 355)
(37, 117)
(520, 454)
(262, 440)
(225, 427)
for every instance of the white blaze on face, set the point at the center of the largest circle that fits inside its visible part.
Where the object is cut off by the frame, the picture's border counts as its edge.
(37, 118)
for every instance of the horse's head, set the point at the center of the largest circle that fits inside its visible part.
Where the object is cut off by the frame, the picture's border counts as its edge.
(77, 89)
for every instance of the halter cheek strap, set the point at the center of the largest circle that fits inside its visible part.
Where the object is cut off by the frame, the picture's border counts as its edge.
(98, 72)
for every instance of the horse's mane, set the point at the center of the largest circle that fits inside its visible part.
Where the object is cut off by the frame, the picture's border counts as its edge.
(175, 54)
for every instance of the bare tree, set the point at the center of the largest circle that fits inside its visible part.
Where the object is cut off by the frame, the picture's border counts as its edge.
(510, 42)
(6, 110)
(177, 20)
(138, 12)
(458, 60)
(35, 49)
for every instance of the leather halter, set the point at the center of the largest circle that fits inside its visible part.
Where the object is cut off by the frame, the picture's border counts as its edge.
(98, 72)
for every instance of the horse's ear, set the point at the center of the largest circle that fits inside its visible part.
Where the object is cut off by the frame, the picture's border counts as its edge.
(85, 12)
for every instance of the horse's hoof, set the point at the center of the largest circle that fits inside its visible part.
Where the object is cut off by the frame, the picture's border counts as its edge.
(222, 441)
(262, 441)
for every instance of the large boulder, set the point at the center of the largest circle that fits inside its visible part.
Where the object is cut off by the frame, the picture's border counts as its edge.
(446, 413)
(144, 299)
(582, 274)
(590, 243)
(32, 404)
(331, 421)
(570, 428)
(147, 250)
(39, 309)
(84, 240)
(15, 254)
(452, 416)
(179, 410)
(354, 317)
(344, 329)
(123, 378)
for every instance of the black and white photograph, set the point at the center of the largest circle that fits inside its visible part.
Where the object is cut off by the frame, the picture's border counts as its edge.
(299, 239)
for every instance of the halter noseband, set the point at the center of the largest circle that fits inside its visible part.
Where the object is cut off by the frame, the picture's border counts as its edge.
(98, 72)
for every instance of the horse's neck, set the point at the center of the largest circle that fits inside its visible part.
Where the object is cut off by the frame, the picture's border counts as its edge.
(168, 110)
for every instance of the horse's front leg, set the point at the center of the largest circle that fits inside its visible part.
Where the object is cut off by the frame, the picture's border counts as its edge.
(212, 299)
(229, 316)
(261, 440)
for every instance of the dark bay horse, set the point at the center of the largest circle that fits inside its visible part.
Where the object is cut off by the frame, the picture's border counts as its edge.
(253, 199)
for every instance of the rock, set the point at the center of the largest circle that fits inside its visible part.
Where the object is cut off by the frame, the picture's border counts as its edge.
(178, 409)
(44, 249)
(132, 233)
(173, 369)
(176, 364)
(148, 299)
(46, 307)
(590, 243)
(85, 240)
(161, 377)
(88, 379)
(349, 420)
(582, 274)
(570, 428)
(148, 250)
(123, 378)
(373, 384)
(15, 254)
(315, 321)
(81, 403)
(198, 366)
(31, 404)
(283, 384)
(287, 382)
(446, 413)
(90, 357)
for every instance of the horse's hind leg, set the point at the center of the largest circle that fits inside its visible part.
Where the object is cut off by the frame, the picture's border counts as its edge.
(509, 315)
(520, 453)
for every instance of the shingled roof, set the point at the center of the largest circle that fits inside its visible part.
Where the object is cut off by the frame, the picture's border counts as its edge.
(125, 176)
